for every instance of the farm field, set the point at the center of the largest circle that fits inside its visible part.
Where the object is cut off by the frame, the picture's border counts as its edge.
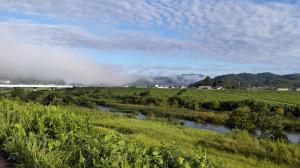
(288, 97)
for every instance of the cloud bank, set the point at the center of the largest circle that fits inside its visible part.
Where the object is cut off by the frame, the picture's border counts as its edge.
(20, 59)
(235, 31)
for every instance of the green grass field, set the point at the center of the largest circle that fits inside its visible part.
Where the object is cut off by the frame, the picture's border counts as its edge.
(288, 97)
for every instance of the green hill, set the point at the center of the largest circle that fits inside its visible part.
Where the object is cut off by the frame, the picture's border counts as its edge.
(248, 80)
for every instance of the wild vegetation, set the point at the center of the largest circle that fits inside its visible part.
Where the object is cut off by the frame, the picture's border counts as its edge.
(39, 134)
(47, 136)
(34, 135)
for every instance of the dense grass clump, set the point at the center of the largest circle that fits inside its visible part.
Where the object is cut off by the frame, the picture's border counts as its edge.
(38, 136)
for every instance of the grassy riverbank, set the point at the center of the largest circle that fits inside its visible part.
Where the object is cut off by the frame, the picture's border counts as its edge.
(236, 149)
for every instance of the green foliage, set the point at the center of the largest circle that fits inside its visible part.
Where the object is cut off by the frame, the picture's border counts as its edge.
(40, 136)
(20, 93)
(242, 118)
(258, 118)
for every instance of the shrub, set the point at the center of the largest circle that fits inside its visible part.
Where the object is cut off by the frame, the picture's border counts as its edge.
(243, 119)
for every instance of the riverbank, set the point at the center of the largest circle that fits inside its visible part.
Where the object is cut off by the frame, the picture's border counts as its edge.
(170, 112)
(291, 125)
(227, 147)
(142, 113)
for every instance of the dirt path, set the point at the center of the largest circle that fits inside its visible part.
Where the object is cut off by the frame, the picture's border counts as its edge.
(4, 163)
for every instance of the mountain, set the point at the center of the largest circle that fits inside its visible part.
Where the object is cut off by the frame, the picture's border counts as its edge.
(175, 80)
(248, 80)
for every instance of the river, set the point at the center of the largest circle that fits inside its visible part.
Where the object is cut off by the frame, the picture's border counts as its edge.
(293, 137)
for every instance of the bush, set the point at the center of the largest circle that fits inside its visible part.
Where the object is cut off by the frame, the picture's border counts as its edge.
(242, 118)
(212, 105)
(263, 119)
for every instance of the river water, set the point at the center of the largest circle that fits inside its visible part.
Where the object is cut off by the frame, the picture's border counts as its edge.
(293, 137)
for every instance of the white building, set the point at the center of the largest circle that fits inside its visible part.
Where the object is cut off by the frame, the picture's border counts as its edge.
(283, 89)
(4, 82)
(205, 87)
(161, 87)
(219, 88)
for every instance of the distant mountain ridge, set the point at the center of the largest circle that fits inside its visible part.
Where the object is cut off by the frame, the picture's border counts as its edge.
(174, 80)
(249, 80)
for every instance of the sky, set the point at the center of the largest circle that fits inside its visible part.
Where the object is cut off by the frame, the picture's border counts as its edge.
(113, 42)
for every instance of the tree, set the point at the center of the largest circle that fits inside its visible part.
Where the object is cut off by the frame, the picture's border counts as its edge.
(146, 93)
(242, 118)
(18, 92)
(206, 81)
(258, 117)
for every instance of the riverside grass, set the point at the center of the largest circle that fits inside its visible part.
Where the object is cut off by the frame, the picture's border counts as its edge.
(235, 150)
(38, 136)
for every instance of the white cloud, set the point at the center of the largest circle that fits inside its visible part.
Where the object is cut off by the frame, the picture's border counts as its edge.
(238, 31)
(19, 59)
(116, 40)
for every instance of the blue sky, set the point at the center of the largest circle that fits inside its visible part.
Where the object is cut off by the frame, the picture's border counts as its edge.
(162, 37)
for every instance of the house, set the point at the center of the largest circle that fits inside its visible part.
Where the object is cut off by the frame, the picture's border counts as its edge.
(205, 87)
(161, 87)
(5, 82)
(257, 88)
(283, 89)
(297, 89)
(219, 88)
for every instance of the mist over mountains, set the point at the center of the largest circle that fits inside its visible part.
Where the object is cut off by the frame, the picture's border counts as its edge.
(173, 80)
(230, 81)
(30, 81)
